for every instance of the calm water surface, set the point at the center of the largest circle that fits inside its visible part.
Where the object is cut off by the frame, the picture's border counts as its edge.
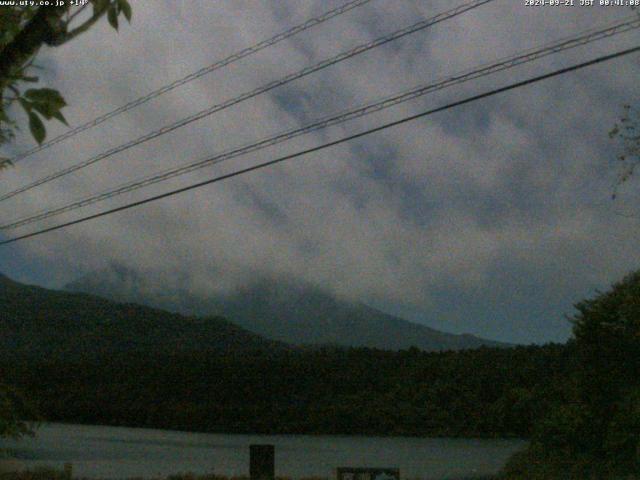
(110, 452)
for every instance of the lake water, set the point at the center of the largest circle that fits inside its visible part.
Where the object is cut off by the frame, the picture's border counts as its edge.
(110, 452)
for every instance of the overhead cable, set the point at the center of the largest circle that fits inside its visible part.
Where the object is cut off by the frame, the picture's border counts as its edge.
(262, 165)
(253, 93)
(312, 22)
(468, 75)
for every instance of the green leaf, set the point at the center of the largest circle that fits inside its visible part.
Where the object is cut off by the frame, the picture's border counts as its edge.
(3, 116)
(112, 16)
(5, 163)
(126, 9)
(45, 101)
(37, 127)
(99, 5)
(58, 116)
(45, 110)
(26, 105)
(47, 96)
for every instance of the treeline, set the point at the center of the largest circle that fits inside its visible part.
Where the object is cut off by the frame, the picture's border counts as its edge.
(484, 392)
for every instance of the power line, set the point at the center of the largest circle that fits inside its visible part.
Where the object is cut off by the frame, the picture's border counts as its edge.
(503, 64)
(253, 93)
(510, 62)
(312, 22)
(328, 144)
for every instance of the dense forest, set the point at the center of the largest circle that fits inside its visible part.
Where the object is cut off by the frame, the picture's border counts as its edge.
(40, 323)
(485, 392)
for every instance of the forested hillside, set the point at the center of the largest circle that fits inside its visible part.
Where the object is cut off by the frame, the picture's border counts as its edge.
(38, 323)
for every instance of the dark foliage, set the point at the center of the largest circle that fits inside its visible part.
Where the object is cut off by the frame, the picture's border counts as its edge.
(14, 409)
(595, 432)
(485, 392)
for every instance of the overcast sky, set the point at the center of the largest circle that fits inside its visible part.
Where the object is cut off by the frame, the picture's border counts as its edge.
(493, 218)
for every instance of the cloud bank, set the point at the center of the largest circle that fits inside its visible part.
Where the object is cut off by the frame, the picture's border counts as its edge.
(493, 218)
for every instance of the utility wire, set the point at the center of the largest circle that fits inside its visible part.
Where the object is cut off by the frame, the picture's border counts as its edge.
(253, 93)
(501, 65)
(312, 22)
(329, 144)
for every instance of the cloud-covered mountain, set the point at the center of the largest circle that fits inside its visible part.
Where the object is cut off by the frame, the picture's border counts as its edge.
(280, 310)
(39, 323)
(494, 217)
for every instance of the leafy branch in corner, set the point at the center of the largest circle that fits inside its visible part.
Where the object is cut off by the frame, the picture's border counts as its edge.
(23, 31)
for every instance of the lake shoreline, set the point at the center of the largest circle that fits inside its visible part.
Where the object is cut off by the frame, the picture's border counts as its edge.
(99, 452)
(292, 434)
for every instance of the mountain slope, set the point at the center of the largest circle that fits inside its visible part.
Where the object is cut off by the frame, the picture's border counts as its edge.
(36, 322)
(284, 311)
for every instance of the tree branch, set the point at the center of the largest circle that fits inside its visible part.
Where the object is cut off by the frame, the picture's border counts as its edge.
(76, 13)
(40, 29)
(65, 37)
